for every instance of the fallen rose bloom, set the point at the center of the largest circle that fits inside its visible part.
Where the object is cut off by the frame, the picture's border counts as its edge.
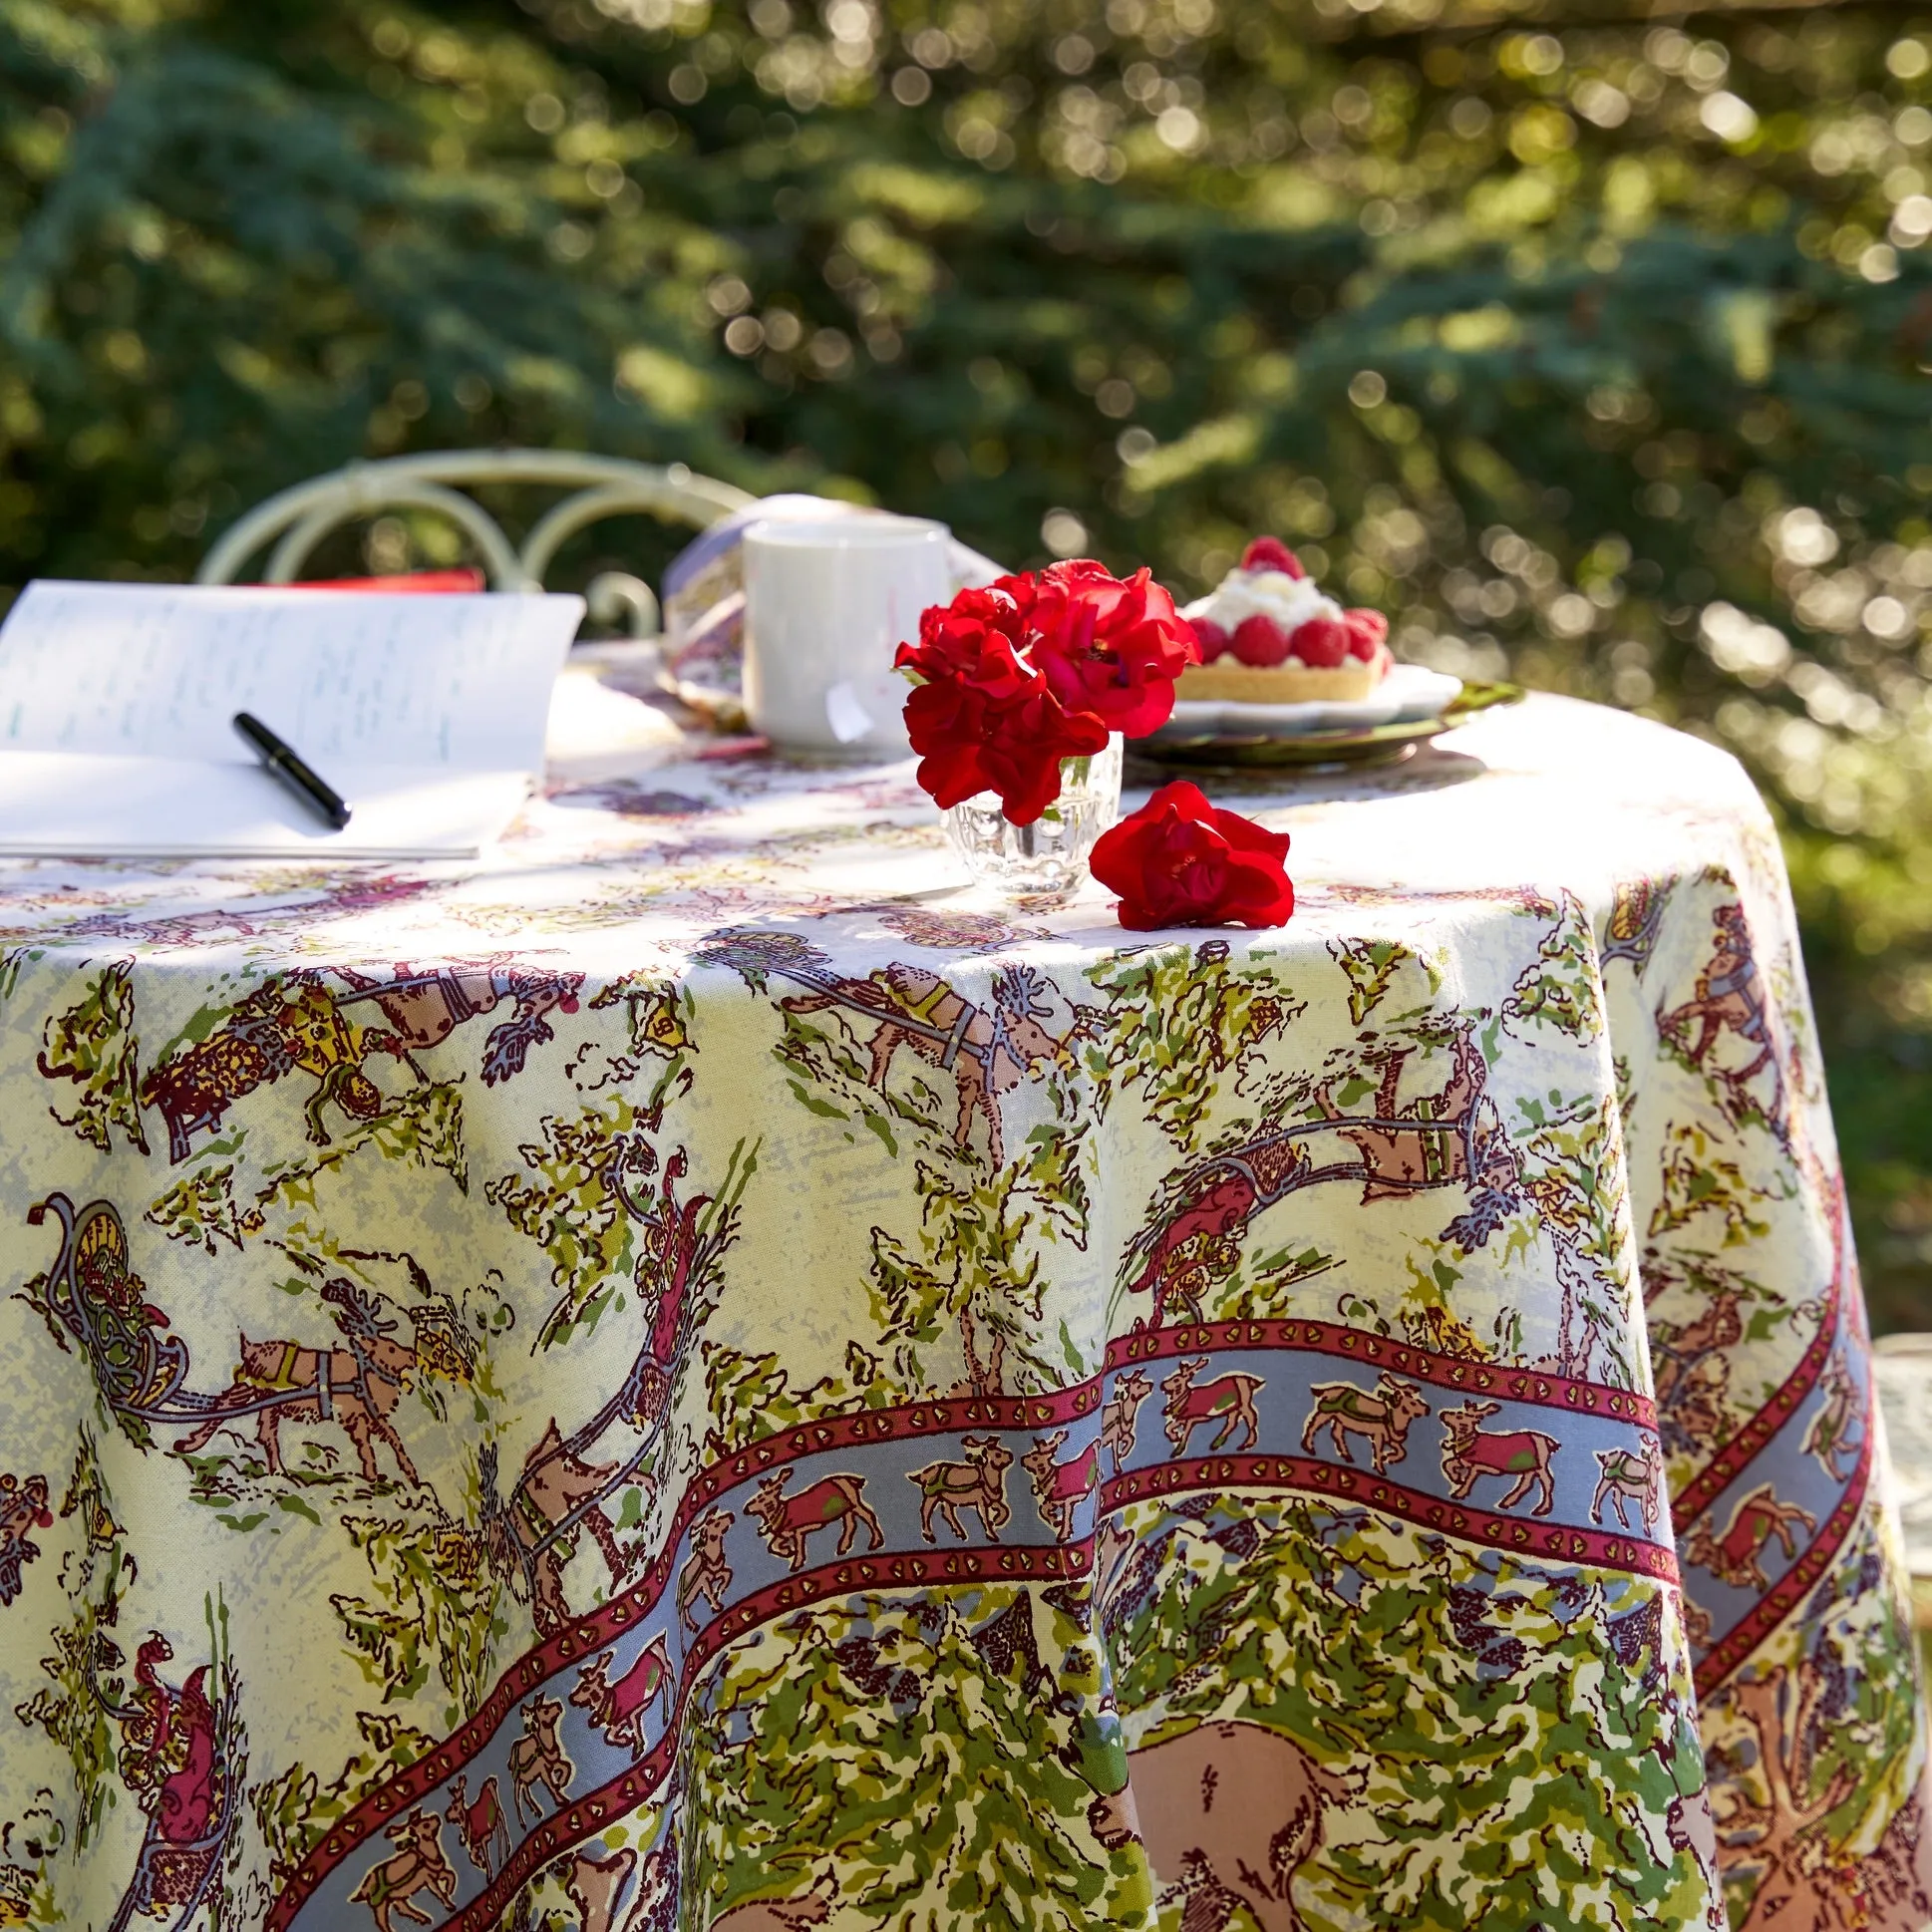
(1182, 861)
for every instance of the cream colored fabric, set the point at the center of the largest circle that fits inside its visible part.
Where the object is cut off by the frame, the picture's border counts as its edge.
(696, 1373)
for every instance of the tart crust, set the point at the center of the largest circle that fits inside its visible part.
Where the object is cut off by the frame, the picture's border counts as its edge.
(1227, 682)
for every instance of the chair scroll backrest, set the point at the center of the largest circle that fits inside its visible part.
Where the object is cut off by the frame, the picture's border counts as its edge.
(298, 520)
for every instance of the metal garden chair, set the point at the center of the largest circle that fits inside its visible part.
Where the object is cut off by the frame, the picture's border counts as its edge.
(295, 521)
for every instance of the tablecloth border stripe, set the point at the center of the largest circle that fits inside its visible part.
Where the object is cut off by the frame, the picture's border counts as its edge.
(1042, 1563)
(591, 1633)
(1737, 1643)
(1341, 1486)
(1758, 1433)
(949, 1415)
(1463, 1374)
(1333, 1484)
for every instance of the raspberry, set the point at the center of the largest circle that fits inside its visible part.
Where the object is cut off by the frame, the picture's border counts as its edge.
(1321, 643)
(1270, 553)
(1260, 641)
(1211, 637)
(1367, 629)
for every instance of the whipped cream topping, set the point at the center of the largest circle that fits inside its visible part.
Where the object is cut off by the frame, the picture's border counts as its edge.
(1289, 601)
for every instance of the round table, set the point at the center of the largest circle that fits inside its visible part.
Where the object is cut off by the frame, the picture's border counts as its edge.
(699, 1373)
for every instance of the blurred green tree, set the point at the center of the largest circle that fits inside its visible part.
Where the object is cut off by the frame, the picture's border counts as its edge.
(1589, 344)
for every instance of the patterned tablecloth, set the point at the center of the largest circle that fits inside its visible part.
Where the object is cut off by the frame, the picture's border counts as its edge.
(690, 1376)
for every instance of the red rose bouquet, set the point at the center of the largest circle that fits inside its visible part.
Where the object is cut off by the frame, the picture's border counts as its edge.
(1033, 669)
(1180, 861)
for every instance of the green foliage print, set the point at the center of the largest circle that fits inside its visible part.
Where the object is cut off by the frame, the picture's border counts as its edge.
(435, 1608)
(1426, 1311)
(982, 1242)
(93, 1043)
(12, 959)
(1697, 1181)
(1418, 1068)
(1370, 967)
(988, 1218)
(573, 1209)
(829, 1053)
(27, 1891)
(423, 1126)
(294, 1813)
(87, 1661)
(928, 1755)
(1563, 987)
(1177, 1018)
(852, 1065)
(1574, 1174)
(1508, 1766)
(201, 1209)
(608, 1216)
(752, 1396)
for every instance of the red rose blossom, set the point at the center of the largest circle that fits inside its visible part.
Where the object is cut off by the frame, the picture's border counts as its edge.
(1110, 647)
(1030, 670)
(1182, 861)
(983, 719)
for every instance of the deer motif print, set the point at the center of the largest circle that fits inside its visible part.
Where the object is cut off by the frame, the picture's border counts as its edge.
(1471, 1452)
(979, 1482)
(1382, 1417)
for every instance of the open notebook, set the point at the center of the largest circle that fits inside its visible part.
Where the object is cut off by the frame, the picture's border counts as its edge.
(425, 712)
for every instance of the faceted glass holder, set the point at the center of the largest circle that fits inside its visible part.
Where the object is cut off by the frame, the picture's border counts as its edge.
(1045, 861)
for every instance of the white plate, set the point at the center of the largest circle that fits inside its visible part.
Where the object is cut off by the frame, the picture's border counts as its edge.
(1409, 691)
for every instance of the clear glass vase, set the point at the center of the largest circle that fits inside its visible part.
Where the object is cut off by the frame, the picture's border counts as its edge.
(1044, 861)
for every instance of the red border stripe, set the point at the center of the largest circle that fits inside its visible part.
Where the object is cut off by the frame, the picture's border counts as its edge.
(1758, 1435)
(1341, 1486)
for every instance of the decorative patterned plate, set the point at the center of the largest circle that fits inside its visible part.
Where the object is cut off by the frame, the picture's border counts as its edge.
(1377, 745)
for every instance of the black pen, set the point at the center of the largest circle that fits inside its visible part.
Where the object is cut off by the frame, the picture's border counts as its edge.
(284, 765)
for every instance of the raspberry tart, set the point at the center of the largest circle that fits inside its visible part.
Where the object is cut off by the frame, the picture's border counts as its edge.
(1269, 637)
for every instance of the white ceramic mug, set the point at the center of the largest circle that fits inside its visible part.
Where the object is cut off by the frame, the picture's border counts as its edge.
(827, 603)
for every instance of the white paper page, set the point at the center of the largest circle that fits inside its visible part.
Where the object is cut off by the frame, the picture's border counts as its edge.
(73, 804)
(346, 677)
